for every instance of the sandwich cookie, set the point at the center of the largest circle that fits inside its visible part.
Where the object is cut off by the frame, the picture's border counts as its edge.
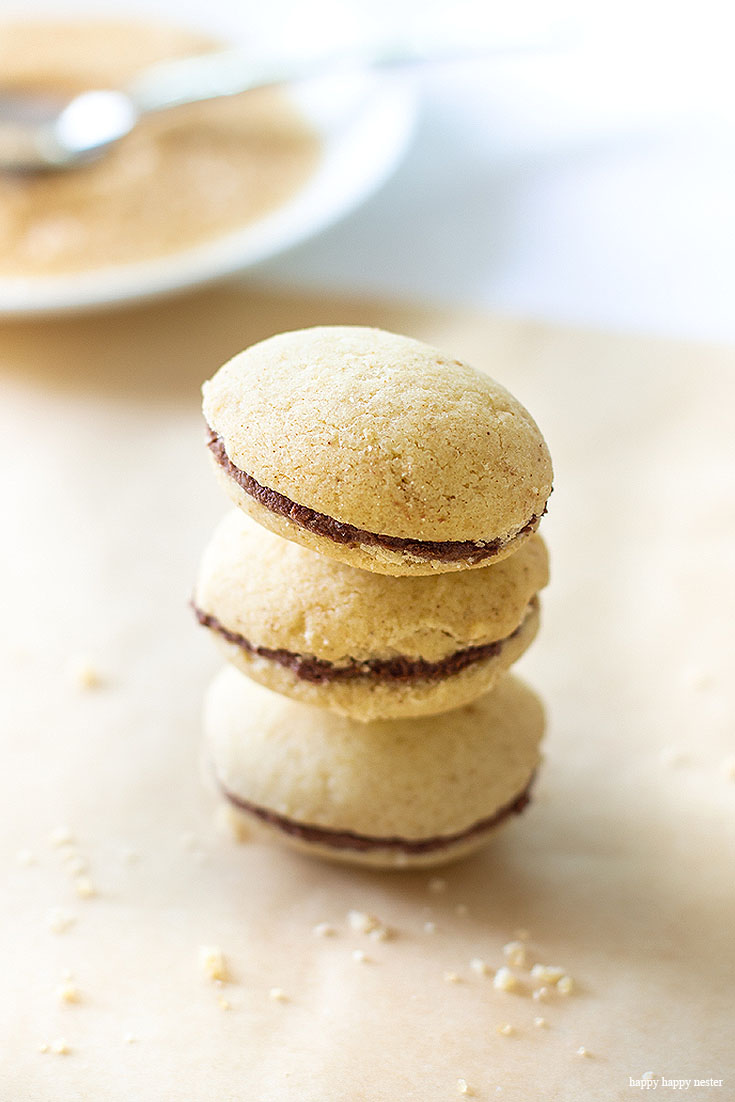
(364, 645)
(377, 450)
(390, 793)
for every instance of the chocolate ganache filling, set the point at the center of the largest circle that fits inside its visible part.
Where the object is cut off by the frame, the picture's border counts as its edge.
(316, 670)
(469, 551)
(348, 839)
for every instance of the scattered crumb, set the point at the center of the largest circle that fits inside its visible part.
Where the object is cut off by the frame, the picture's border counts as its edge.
(541, 1023)
(68, 992)
(504, 980)
(515, 954)
(565, 985)
(699, 679)
(278, 995)
(76, 864)
(464, 1088)
(85, 889)
(542, 993)
(430, 927)
(223, 1003)
(130, 1038)
(673, 757)
(25, 857)
(61, 836)
(213, 964)
(481, 967)
(461, 910)
(582, 1051)
(82, 671)
(362, 923)
(728, 768)
(43, 1047)
(506, 1029)
(60, 920)
(60, 1047)
(323, 929)
(452, 977)
(437, 885)
(547, 973)
(360, 956)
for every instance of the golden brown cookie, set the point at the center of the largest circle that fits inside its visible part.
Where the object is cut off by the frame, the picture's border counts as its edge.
(377, 450)
(390, 793)
(361, 644)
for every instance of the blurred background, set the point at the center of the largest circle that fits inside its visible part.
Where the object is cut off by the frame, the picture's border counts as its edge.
(583, 172)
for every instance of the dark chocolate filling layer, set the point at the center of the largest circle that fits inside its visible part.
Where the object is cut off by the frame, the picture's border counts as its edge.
(318, 671)
(469, 551)
(348, 839)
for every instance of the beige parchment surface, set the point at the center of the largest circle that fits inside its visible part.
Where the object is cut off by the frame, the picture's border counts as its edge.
(622, 871)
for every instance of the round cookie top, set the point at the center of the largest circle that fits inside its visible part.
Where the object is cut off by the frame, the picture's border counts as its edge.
(381, 432)
(278, 594)
(411, 778)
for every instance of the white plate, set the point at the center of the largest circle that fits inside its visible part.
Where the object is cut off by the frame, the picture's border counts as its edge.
(365, 122)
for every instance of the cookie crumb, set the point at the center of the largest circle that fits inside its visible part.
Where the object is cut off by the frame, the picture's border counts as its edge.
(68, 992)
(582, 1051)
(84, 673)
(323, 929)
(515, 954)
(452, 977)
(213, 964)
(463, 1087)
(223, 1003)
(76, 864)
(43, 1047)
(506, 1029)
(25, 857)
(673, 757)
(504, 980)
(541, 1023)
(85, 889)
(60, 1047)
(360, 956)
(362, 923)
(437, 885)
(61, 836)
(278, 995)
(60, 920)
(481, 967)
(130, 1038)
(547, 973)
(728, 768)
(565, 986)
(542, 993)
(430, 927)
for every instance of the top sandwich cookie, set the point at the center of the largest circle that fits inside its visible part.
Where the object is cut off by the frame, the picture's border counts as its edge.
(377, 450)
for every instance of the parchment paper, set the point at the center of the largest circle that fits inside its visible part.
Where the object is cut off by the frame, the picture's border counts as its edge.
(622, 870)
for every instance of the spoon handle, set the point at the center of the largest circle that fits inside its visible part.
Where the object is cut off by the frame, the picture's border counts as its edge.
(229, 72)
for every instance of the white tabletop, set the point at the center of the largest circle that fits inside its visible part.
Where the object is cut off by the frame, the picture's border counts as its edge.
(591, 184)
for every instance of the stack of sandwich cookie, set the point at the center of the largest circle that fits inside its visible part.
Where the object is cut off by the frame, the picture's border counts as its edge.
(372, 613)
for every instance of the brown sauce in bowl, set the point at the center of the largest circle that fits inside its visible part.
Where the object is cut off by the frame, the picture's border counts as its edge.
(182, 178)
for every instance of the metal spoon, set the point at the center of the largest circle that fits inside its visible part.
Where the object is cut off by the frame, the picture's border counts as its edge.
(38, 132)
